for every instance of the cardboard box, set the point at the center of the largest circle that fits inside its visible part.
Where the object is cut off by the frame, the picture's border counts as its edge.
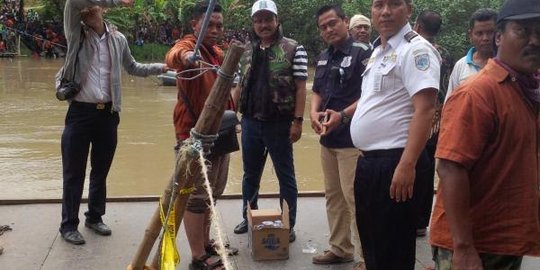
(267, 241)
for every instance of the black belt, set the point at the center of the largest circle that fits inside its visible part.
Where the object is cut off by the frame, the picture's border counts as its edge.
(383, 153)
(93, 106)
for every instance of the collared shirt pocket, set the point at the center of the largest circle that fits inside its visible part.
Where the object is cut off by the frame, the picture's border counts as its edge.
(386, 76)
(318, 82)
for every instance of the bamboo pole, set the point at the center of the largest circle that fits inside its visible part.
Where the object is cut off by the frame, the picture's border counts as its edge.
(207, 124)
(180, 207)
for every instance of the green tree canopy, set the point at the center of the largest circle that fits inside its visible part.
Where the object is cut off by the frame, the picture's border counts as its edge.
(297, 17)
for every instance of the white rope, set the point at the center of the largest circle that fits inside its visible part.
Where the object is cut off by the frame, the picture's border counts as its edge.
(214, 217)
(203, 68)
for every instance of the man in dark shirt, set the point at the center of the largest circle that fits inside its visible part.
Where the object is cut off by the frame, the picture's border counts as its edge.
(336, 91)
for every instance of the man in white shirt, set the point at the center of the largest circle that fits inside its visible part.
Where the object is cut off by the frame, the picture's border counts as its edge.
(390, 126)
(96, 53)
(481, 34)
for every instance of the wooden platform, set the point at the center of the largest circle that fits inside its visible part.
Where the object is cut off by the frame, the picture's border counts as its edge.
(35, 244)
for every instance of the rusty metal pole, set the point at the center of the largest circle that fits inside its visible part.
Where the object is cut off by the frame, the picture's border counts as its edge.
(207, 124)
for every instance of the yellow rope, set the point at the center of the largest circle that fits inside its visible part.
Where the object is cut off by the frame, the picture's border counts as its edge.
(186, 191)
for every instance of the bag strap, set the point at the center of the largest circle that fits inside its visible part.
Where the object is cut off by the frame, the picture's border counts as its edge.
(188, 104)
(76, 58)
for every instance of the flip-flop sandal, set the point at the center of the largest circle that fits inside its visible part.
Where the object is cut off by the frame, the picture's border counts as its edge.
(212, 249)
(206, 262)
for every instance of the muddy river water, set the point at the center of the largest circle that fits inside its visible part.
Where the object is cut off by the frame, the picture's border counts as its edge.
(32, 120)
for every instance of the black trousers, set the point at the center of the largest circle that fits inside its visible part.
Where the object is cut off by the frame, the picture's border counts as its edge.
(425, 198)
(86, 124)
(387, 228)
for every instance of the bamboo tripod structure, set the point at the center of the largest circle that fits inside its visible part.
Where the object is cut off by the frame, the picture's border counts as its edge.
(188, 166)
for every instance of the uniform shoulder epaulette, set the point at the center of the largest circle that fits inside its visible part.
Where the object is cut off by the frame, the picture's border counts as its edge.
(361, 45)
(410, 35)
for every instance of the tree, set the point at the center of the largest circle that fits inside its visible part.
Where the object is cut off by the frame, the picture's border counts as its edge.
(296, 16)
(52, 9)
(456, 14)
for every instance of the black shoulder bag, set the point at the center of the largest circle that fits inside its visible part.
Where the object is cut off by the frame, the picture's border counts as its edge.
(69, 88)
(227, 141)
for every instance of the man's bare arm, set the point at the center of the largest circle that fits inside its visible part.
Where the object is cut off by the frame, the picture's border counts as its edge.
(405, 173)
(454, 188)
(296, 128)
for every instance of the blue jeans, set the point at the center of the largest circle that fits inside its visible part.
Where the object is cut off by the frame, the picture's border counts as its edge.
(257, 138)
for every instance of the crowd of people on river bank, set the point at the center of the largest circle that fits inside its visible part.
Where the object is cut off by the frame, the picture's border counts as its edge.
(382, 112)
(9, 15)
(47, 39)
(168, 33)
(42, 38)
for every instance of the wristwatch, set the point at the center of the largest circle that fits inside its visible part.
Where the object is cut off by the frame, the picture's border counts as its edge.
(298, 119)
(345, 119)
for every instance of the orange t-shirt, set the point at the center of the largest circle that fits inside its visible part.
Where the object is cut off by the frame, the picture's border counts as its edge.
(490, 128)
(196, 90)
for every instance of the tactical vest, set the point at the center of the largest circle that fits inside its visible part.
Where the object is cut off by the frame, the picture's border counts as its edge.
(280, 78)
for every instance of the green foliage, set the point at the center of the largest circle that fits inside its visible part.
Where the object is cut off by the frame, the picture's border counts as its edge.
(456, 15)
(123, 19)
(236, 14)
(299, 23)
(149, 52)
(296, 16)
(51, 10)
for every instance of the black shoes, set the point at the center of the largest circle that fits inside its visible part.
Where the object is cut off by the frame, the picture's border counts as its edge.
(73, 237)
(99, 228)
(242, 227)
(76, 238)
(292, 236)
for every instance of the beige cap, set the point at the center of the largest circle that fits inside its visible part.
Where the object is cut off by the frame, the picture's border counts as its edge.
(359, 19)
(260, 5)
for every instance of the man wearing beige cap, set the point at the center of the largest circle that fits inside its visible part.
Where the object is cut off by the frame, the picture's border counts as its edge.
(360, 28)
(272, 100)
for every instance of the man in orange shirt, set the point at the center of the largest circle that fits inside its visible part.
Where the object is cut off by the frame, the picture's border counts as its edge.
(191, 97)
(487, 212)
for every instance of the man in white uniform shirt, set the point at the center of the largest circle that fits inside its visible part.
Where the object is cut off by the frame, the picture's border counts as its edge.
(391, 126)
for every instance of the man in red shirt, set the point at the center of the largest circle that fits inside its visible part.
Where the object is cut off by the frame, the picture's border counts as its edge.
(191, 97)
(486, 214)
